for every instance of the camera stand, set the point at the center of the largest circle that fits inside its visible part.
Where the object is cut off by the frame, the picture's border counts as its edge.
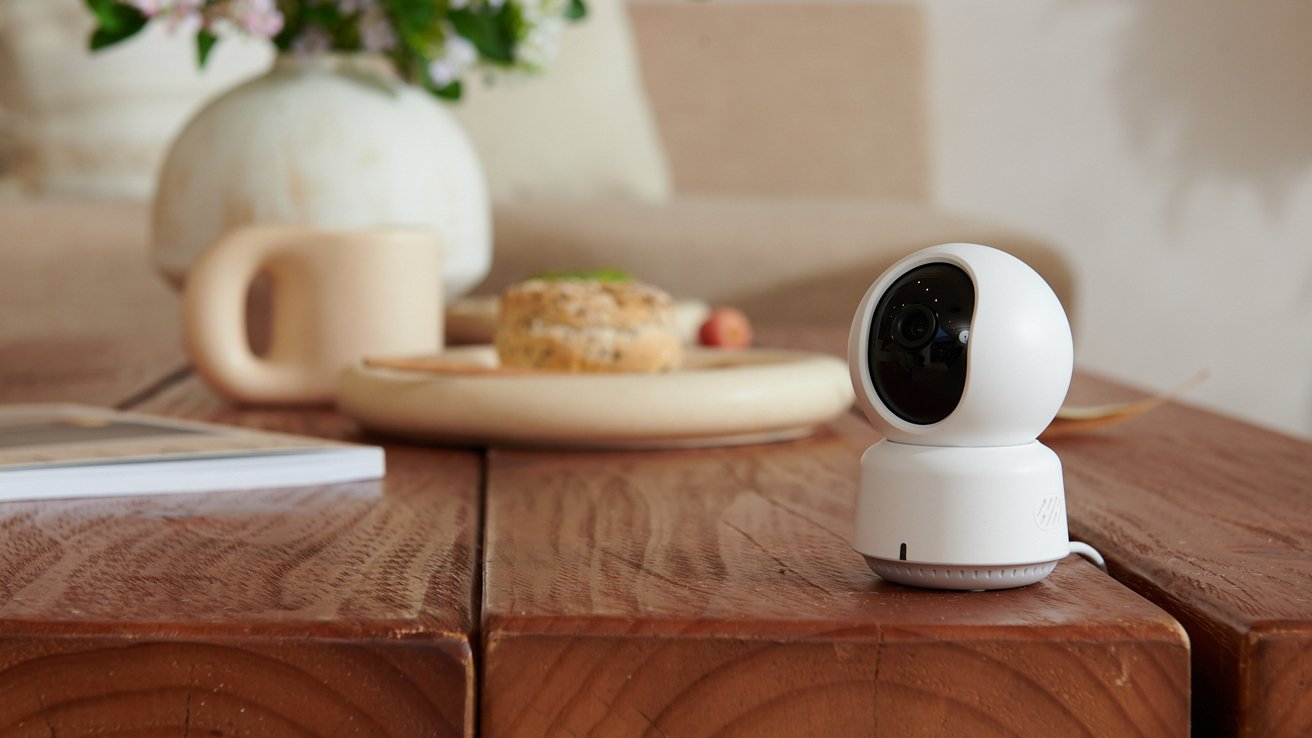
(973, 518)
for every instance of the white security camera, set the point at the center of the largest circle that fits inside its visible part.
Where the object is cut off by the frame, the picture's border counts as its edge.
(961, 355)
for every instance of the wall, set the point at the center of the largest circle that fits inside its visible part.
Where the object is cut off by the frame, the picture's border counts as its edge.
(1166, 147)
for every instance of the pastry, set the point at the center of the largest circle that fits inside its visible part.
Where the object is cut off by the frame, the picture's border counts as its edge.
(587, 325)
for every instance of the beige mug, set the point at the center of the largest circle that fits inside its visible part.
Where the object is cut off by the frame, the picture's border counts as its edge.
(337, 295)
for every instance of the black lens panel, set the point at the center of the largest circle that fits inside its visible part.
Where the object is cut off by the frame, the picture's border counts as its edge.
(917, 351)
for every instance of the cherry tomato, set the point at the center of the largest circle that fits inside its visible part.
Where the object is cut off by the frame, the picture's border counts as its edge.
(726, 327)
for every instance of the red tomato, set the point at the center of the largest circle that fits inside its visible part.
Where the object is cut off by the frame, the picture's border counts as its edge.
(726, 327)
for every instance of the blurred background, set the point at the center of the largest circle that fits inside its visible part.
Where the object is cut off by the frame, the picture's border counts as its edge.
(1165, 147)
(1162, 151)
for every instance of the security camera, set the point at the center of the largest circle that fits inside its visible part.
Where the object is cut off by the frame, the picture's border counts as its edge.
(961, 355)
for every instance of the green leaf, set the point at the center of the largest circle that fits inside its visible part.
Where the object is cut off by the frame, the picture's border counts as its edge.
(115, 22)
(205, 40)
(326, 16)
(100, 38)
(483, 27)
(114, 15)
(452, 91)
(609, 274)
(576, 10)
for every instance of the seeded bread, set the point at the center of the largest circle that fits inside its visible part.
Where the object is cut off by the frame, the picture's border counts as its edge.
(580, 325)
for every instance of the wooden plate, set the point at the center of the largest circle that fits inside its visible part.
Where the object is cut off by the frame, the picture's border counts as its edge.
(718, 398)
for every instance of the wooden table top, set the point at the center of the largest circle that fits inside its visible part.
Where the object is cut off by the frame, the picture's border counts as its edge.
(520, 592)
(716, 592)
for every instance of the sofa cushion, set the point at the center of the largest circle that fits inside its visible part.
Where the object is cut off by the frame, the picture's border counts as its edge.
(580, 130)
(783, 260)
(789, 97)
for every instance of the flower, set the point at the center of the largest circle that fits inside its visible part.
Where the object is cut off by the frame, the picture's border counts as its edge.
(311, 42)
(258, 17)
(177, 14)
(150, 8)
(434, 43)
(458, 56)
(376, 32)
(540, 45)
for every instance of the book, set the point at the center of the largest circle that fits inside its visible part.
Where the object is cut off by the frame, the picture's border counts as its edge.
(71, 451)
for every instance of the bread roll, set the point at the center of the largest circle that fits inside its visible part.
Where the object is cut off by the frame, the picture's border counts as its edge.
(585, 325)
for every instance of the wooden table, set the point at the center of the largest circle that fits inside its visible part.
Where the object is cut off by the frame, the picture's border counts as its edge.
(683, 593)
(332, 610)
(1210, 518)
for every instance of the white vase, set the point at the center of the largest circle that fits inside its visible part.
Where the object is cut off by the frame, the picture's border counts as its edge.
(329, 141)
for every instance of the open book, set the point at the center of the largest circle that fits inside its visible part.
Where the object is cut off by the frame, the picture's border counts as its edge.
(65, 451)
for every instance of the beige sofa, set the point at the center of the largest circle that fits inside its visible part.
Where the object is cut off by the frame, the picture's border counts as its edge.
(798, 141)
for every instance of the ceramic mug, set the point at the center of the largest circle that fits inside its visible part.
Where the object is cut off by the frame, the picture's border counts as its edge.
(337, 295)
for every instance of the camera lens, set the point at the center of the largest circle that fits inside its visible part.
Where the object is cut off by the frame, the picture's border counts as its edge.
(915, 354)
(914, 326)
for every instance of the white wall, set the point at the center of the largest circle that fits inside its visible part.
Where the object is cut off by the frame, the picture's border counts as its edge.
(1166, 147)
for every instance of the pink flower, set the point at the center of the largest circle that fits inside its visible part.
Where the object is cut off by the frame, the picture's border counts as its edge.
(258, 17)
(313, 40)
(376, 32)
(149, 8)
(178, 14)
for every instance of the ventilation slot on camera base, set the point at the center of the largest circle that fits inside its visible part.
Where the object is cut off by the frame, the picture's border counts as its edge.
(943, 576)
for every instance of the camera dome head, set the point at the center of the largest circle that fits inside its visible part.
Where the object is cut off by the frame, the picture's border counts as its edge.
(960, 345)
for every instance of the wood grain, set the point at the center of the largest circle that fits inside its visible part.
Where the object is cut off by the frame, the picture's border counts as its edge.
(82, 317)
(715, 592)
(260, 687)
(341, 609)
(1211, 518)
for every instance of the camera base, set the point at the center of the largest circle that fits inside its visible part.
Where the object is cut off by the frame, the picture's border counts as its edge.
(946, 517)
(940, 576)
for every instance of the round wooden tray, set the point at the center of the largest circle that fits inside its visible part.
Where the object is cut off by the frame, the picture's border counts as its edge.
(719, 398)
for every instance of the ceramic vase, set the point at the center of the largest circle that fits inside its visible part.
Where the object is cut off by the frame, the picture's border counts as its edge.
(333, 141)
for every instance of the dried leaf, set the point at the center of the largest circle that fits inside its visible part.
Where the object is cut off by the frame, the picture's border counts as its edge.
(1075, 420)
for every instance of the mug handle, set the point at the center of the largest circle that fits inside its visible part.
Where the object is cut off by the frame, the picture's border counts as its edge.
(214, 317)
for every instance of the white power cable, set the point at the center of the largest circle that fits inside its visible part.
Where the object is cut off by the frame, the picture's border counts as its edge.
(1088, 552)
